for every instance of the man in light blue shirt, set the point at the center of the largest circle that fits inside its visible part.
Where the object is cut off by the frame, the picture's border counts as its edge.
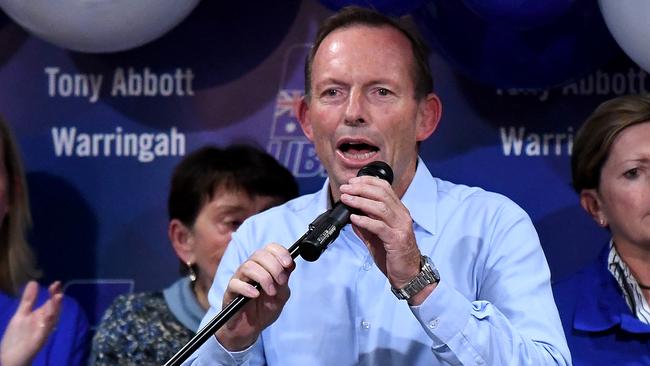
(428, 273)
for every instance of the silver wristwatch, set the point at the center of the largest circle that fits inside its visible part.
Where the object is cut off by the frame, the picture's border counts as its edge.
(428, 275)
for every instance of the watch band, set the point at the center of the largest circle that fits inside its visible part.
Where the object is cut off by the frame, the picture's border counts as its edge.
(428, 275)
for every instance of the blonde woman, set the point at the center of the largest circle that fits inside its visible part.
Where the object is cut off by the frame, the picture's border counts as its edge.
(41, 326)
(604, 308)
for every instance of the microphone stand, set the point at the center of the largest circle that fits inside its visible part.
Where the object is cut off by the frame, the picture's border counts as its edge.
(232, 308)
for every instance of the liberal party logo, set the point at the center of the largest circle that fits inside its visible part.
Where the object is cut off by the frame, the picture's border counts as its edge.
(287, 142)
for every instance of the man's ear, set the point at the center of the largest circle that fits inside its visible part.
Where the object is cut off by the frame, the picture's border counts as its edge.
(590, 202)
(182, 241)
(429, 113)
(302, 113)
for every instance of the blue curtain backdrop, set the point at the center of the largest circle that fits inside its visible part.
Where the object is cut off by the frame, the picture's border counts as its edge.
(100, 133)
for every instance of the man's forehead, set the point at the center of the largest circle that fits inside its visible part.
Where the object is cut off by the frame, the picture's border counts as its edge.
(369, 42)
(357, 32)
(383, 44)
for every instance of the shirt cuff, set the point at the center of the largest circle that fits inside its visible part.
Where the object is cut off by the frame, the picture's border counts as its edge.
(443, 314)
(233, 358)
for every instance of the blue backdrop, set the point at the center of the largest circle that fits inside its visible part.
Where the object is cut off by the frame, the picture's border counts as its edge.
(100, 133)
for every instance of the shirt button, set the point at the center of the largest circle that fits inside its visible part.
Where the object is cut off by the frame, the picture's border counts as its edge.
(367, 266)
(365, 324)
(479, 362)
(434, 323)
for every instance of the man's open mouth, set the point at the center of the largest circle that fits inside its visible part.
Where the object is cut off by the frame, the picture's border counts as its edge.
(358, 150)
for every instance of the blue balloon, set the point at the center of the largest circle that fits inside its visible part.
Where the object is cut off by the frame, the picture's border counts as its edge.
(572, 45)
(390, 7)
(523, 14)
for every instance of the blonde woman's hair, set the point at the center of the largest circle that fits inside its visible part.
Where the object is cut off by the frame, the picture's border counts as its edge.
(596, 136)
(17, 262)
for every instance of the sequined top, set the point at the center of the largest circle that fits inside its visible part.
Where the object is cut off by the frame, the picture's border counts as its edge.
(142, 328)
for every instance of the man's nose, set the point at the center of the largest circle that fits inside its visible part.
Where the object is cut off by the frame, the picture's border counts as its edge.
(355, 113)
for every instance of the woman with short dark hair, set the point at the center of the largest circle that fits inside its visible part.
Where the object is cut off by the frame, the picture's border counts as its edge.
(212, 192)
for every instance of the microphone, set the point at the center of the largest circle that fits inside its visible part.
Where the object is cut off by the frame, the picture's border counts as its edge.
(328, 225)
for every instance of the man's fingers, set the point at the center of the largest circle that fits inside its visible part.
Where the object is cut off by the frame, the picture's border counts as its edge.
(369, 207)
(369, 187)
(283, 256)
(243, 288)
(374, 197)
(269, 267)
(253, 271)
(374, 226)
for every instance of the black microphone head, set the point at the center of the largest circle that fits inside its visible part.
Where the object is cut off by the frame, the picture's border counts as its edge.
(327, 226)
(377, 169)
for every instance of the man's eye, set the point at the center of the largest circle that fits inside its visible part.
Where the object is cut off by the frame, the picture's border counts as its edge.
(331, 92)
(383, 92)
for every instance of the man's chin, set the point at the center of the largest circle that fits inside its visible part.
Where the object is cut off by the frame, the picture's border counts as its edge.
(343, 176)
(339, 177)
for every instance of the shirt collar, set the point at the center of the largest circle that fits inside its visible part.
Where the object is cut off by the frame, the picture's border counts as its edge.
(421, 197)
(323, 198)
(627, 283)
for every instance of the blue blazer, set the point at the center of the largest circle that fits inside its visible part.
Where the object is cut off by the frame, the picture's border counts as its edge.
(68, 344)
(599, 326)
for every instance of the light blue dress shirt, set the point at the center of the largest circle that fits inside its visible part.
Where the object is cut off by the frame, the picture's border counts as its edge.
(493, 305)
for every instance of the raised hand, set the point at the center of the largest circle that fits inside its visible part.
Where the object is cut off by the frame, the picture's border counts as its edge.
(270, 267)
(386, 227)
(29, 328)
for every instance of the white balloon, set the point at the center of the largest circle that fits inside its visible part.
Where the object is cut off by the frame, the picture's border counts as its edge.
(98, 25)
(629, 23)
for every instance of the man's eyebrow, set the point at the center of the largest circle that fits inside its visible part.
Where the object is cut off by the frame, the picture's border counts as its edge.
(329, 80)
